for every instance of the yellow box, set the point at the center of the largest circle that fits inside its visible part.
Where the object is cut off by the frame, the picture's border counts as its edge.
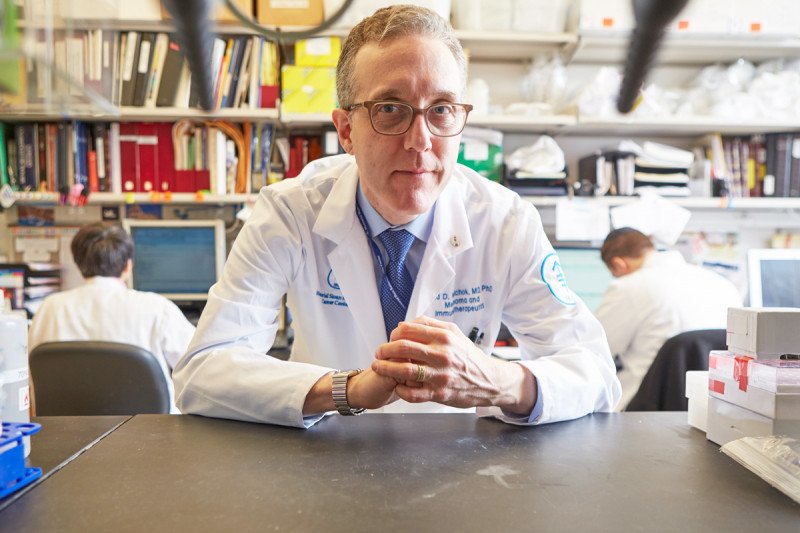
(289, 12)
(308, 89)
(317, 52)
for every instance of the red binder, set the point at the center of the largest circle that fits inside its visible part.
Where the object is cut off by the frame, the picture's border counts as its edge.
(148, 158)
(166, 158)
(129, 156)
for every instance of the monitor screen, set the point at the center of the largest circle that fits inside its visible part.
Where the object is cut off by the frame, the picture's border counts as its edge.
(774, 277)
(180, 259)
(586, 274)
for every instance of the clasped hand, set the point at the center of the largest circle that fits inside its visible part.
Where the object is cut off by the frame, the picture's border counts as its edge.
(455, 372)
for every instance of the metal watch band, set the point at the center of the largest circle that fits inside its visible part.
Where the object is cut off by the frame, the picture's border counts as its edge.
(339, 391)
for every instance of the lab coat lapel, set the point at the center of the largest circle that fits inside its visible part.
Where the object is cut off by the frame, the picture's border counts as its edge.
(351, 259)
(450, 236)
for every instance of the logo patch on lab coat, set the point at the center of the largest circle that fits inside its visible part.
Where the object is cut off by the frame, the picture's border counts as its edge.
(553, 276)
(326, 297)
(332, 283)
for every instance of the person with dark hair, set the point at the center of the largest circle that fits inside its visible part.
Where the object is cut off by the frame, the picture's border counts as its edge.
(655, 296)
(104, 309)
(398, 264)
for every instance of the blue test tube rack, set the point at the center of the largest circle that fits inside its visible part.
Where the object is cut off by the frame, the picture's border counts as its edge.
(13, 473)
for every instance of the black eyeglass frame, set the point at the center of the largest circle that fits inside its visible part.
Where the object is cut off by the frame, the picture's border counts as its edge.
(369, 104)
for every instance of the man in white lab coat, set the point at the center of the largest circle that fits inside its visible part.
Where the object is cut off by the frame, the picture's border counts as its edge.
(104, 309)
(655, 296)
(397, 261)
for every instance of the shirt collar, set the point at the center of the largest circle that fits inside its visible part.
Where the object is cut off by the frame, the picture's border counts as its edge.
(105, 281)
(420, 227)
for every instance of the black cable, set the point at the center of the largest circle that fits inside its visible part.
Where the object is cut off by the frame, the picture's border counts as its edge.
(652, 18)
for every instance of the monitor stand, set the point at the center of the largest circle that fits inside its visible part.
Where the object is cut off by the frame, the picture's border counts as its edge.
(191, 309)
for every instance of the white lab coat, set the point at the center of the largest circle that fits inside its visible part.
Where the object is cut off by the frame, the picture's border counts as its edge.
(666, 296)
(104, 309)
(483, 264)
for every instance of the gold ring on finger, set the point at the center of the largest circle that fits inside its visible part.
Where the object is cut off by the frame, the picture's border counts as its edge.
(420, 373)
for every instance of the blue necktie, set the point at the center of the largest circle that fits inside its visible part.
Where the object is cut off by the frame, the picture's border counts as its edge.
(396, 285)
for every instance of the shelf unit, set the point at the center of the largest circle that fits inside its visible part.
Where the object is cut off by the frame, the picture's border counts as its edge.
(483, 46)
(683, 50)
(104, 198)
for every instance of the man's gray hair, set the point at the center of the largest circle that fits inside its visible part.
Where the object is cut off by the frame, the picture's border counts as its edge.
(387, 24)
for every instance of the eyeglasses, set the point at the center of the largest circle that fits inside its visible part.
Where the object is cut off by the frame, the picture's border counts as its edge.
(395, 118)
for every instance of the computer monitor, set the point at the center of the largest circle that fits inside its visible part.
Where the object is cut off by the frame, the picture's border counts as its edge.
(774, 277)
(586, 274)
(179, 259)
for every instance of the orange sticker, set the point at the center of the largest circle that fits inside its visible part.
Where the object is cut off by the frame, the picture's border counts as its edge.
(683, 24)
(608, 22)
(755, 27)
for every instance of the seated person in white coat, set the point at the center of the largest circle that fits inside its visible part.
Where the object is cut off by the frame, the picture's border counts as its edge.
(655, 296)
(104, 309)
(399, 266)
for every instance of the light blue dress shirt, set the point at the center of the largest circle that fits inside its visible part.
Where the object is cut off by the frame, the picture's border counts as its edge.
(420, 228)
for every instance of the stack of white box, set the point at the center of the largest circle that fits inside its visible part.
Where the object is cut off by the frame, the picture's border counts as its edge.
(754, 386)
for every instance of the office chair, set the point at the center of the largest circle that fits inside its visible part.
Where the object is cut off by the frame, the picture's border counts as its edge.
(97, 378)
(664, 386)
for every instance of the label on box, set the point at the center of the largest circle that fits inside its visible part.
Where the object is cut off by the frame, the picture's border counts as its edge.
(476, 151)
(290, 4)
(320, 46)
(24, 398)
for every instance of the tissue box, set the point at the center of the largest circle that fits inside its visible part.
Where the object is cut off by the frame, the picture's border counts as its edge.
(308, 89)
(727, 422)
(764, 332)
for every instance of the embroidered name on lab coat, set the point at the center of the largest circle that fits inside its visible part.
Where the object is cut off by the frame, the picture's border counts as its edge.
(467, 300)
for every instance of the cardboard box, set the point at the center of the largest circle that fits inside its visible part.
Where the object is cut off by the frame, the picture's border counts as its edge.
(607, 16)
(697, 394)
(289, 12)
(308, 89)
(317, 52)
(221, 13)
(761, 401)
(361, 9)
(727, 422)
(763, 332)
(704, 17)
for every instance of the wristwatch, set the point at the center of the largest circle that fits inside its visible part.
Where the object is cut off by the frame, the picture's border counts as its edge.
(339, 391)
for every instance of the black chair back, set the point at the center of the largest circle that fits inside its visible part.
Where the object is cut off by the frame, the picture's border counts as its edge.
(664, 386)
(97, 378)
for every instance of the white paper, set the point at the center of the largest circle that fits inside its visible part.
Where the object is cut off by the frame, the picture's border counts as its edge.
(661, 219)
(581, 220)
(36, 244)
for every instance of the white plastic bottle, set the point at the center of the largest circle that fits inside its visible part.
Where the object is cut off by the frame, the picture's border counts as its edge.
(14, 388)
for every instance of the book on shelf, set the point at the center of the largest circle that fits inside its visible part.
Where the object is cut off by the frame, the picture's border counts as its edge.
(128, 69)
